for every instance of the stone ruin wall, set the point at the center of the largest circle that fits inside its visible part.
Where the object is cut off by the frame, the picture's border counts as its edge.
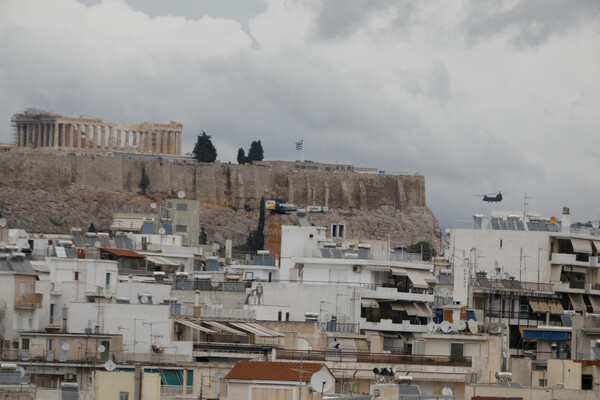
(374, 205)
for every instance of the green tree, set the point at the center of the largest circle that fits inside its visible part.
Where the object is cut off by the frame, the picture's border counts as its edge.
(256, 238)
(424, 248)
(203, 236)
(144, 181)
(204, 150)
(241, 156)
(255, 153)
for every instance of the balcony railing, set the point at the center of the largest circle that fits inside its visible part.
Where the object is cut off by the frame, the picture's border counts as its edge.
(29, 300)
(342, 327)
(374, 358)
(208, 285)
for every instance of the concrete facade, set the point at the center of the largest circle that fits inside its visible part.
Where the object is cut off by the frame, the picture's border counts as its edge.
(43, 129)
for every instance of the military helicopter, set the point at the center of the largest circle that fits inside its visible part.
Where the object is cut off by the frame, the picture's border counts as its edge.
(491, 197)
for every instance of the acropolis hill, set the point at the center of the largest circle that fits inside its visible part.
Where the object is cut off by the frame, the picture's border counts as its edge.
(66, 182)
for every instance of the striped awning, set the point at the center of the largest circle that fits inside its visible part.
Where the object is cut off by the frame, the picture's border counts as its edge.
(194, 326)
(595, 302)
(577, 302)
(535, 306)
(581, 246)
(369, 303)
(223, 327)
(555, 308)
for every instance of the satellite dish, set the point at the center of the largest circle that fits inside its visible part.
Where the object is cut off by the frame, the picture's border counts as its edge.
(161, 231)
(462, 325)
(107, 295)
(214, 281)
(181, 194)
(98, 243)
(345, 246)
(153, 205)
(3, 245)
(444, 292)
(321, 382)
(472, 326)
(595, 224)
(2, 222)
(445, 326)
(447, 391)
(144, 299)
(454, 327)
(431, 327)
(101, 349)
(64, 346)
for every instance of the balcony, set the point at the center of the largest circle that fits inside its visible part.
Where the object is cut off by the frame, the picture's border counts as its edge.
(581, 260)
(389, 325)
(392, 293)
(342, 327)
(374, 358)
(29, 301)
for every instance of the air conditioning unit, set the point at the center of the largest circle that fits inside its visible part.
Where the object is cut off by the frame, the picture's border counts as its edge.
(356, 268)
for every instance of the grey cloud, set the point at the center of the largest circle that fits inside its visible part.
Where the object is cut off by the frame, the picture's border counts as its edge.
(528, 22)
(341, 18)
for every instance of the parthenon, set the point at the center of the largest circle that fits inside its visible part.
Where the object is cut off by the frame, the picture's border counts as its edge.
(43, 129)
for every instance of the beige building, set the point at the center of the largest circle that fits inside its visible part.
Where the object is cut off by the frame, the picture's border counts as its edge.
(127, 386)
(43, 129)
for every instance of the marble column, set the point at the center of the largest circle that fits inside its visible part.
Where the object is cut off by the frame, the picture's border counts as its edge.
(102, 138)
(179, 134)
(94, 142)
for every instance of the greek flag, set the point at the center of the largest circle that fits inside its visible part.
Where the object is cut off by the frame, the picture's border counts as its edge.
(299, 144)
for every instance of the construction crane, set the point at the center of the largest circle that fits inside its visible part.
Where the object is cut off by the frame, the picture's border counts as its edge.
(276, 209)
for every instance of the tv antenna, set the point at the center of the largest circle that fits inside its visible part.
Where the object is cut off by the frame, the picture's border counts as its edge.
(525, 204)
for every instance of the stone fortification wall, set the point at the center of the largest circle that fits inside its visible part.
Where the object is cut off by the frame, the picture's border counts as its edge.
(41, 192)
(343, 190)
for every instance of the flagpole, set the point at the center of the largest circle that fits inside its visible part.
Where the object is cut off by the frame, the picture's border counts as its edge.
(302, 152)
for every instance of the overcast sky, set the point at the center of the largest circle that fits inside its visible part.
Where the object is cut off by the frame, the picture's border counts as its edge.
(478, 96)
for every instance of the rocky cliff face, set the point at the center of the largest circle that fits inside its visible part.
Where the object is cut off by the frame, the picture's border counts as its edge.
(53, 192)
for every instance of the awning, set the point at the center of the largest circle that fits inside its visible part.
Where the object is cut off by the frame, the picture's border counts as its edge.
(224, 327)
(194, 326)
(256, 329)
(417, 278)
(582, 246)
(544, 306)
(577, 302)
(369, 303)
(555, 308)
(410, 309)
(423, 309)
(399, 271)
(397, 306)
(597, 245)
(595, 301)
(578, 270)
(535, 306)
(161, 261)
(124, 224)
(545, 335)
(378, 268)
(437, 377)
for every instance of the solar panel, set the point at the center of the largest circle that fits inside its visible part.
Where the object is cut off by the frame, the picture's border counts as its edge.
(168, 229)
(596, 352)
(78, 238)
(325, 253)
(503, 225)
(495, 225)
(60, 252)
(336, 253)
(128, 244)
(507, 283)
(148, 227)
(483, 281)
(503, 383)
(119, 242)
(516, 284)
(512, 226)
(71, 252)
(520, 226)
(566, 320)
(552, 227)
(515, 384)
(409, 389)
(542, 227)
(532, 226)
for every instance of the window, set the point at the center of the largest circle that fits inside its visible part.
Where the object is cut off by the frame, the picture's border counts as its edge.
(51, 321)
(169, 204)
(279, 316)
(23, 288)
(418, 347)
(123, 395)
(49, 345)
(180, 228)
(287, 317)
(543, 382)
(182, 207)
(338, 230)
(24, 344)
(76, 275)
(107, 279)
(500, 243)
(587, 382)
(457, 349)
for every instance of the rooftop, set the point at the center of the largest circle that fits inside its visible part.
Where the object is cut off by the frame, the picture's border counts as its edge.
(274, 371)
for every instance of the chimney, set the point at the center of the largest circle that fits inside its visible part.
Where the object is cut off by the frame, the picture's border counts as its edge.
(565, 221)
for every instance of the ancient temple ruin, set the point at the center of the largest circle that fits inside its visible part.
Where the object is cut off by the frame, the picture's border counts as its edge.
(43, 129)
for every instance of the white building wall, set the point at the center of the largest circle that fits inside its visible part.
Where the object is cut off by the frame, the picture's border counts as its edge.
(488, 249)
(133, 289)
